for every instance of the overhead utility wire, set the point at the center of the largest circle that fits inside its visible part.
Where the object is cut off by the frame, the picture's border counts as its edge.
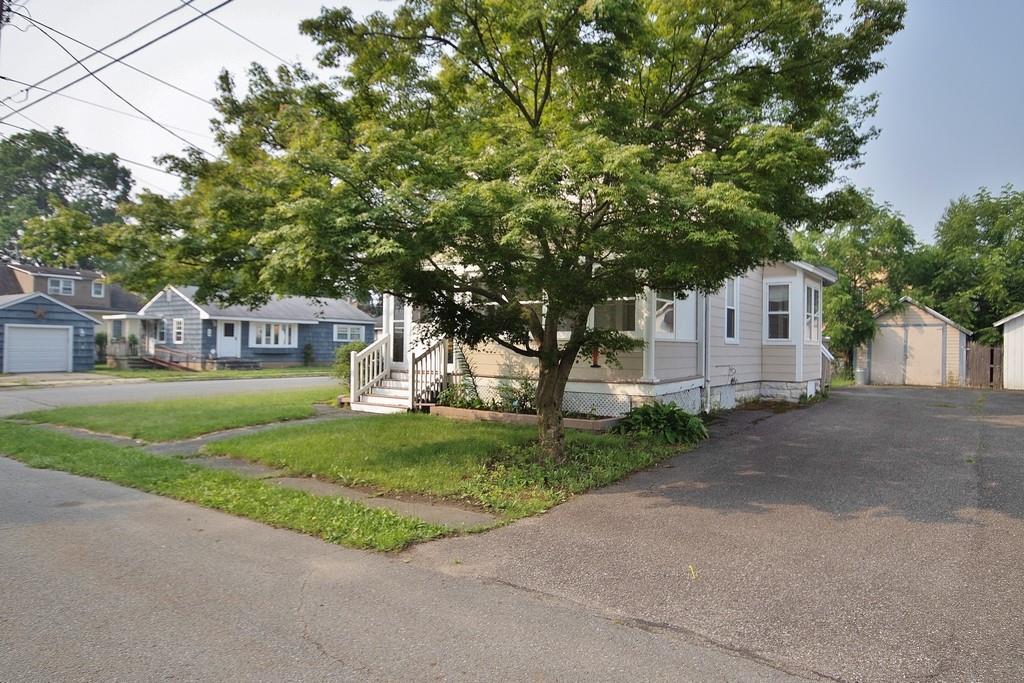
(29, 86)
(40, 26)
(245, 38)
(127, 54)
(96, 51)
(115, 94)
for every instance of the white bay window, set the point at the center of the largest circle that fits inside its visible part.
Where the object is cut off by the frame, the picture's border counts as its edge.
(777, 310)
(812, 314)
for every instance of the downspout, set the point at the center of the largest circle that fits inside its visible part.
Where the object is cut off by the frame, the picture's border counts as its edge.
(707, 356)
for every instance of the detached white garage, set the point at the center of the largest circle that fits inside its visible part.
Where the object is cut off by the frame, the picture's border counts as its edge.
(915, 345)
(1013, 350)
(40, 334)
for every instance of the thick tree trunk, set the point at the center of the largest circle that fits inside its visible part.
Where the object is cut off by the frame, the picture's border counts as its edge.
(550, 391)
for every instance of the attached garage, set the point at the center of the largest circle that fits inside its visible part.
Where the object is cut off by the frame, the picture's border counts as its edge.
(915, 345)
(40, 334)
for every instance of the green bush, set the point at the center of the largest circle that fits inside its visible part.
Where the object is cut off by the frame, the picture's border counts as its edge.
(307, 355)
(663, 421)
(460, 396)
(517, 396)
(343, 359)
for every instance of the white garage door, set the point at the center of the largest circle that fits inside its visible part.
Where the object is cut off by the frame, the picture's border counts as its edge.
(37, 348)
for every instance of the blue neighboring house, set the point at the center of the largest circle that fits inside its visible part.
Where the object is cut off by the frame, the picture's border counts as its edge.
(178, 328)
(38, 333)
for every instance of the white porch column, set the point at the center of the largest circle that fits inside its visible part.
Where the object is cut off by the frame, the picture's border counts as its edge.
(388, 314)
(648, 309)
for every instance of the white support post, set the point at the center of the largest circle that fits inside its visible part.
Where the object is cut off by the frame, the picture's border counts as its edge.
(647, 324)
(353, 374)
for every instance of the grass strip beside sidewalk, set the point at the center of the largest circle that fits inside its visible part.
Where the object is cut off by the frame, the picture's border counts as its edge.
(335, 520)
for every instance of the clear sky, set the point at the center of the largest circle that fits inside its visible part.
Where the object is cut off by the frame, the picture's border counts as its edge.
(951, 109)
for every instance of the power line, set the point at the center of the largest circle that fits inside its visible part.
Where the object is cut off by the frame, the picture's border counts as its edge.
(112, 43)
(40, 26)
(231, 30)
(127, 54)
(115, 93)
(29, 86)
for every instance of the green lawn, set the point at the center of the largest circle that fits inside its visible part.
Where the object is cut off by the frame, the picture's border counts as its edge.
(491, 465)
(157, 375)
(187, 417)
(333, 519)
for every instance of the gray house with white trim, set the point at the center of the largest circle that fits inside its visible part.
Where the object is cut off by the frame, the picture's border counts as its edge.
(177, 327)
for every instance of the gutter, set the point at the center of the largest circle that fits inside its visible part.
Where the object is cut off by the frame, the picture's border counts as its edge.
(707, 357)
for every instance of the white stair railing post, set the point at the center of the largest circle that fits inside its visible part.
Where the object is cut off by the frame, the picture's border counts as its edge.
(353, 383)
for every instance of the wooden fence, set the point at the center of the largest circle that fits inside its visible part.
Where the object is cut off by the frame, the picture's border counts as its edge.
(984, 366)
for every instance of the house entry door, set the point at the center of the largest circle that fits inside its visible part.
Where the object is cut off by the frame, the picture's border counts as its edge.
(229, 339)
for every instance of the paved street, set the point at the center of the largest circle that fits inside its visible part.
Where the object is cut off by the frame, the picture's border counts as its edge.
(13, 401)
(878, 536)
(102, 583)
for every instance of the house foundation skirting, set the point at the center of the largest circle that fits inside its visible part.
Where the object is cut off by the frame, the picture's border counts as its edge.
(614, 400)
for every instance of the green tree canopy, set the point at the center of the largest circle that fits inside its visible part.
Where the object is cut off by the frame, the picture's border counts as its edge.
(974, 273)
(873, 254)
(472, 155)
(45, 175)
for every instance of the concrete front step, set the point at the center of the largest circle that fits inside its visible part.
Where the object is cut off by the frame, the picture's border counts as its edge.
(363, 406)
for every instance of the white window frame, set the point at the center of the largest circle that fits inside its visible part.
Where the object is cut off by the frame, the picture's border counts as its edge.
(92, 289)
(161, 331)
(677, 318)
(812, 313)
(60, 282)
(262, 330)
(768, 284)
(360, 333)
(178, 331)
(735, 308)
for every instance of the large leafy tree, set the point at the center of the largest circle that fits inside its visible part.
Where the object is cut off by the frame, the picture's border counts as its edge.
(44, 176)
(974, 273)
(473, 154)
(874, 254)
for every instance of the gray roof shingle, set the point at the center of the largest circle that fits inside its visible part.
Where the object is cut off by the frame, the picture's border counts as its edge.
(297, 308)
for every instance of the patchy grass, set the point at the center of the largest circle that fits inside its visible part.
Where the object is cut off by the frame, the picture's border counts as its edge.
(494, 466)
(335, 520)
(158, 375)
(187, 417)
(840, 380)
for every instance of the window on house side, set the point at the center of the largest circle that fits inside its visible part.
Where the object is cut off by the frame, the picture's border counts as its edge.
(59, 285)
(778, 312)
(618, 315)
(274, 335)
(178, 331)
(665, 315)
(731, 321)
(97, 289)
(348, 333)
(812, 314)
(161, 331)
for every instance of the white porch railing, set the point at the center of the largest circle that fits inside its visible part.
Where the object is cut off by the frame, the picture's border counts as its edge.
(428, 374)
(369, 366)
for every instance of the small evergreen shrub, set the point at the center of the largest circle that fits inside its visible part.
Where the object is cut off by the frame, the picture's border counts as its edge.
(307, 355)
(663, 421)
(343, 359)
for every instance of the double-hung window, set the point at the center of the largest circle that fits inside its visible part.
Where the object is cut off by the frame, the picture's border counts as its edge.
(778, 311)
(273, 335)
(60, 285)
(675, 316)
(732, 334)
(348, 333)
(97, 289)
(665, 315)
(161, 331)
(178, 331)
(812, 314)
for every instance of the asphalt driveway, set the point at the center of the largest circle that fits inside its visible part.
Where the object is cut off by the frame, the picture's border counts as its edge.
(877, 536)
(13, 401)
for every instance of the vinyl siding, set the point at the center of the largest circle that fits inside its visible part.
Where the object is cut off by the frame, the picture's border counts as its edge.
(954, 339)
(83, 352)
(743, 361)
(675, 360)
(778, 363)
(1013, 354)
(320, 336)
(494, 361)
(197, 342)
